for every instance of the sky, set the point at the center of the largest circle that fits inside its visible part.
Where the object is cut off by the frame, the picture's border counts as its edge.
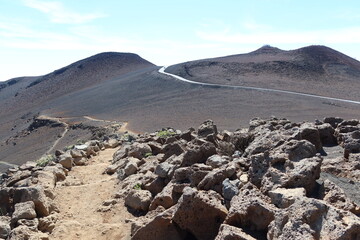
(40, 36)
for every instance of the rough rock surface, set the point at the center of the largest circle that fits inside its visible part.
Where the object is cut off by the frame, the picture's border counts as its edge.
(256, 183)
(273, 180)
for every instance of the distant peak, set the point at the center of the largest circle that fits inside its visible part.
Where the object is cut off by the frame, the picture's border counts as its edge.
(267, 49)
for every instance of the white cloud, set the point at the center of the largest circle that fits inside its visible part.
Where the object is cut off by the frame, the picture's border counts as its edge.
(334, 36)
(59, 14)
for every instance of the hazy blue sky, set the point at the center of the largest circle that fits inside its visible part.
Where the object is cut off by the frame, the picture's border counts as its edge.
(39, 36)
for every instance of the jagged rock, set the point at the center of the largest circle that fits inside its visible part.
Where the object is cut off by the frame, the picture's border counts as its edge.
(5, 228)
(35, 194)
(47, 224)
(227, 232)
(198, 154)
(155, 185)
(156, 148)
(216, 161)
(80, 161)
(166, 198)
(66, 161)
(23, 232)
(160, 227)
(138, 200)
(251, 211)
(18, 176)
(121, 153)
(32, 224)
(284, 197)
(333, 121)
(341, 167)
(139, 150)
(75, 153)
(131, 167)
(314, 219)
(326, 132)
(335, 196)
(309, 132)
(186, 135)
(5, 200)
(200, 213)
(230, 188)
(207, 128)
(58, 171)
(58, 153)
(29, 165)
(45, 179)
(24, 210)
(163, 169)
(192, 175)
(111, 143)
(293, 150)
(213, 180)
(172, 149)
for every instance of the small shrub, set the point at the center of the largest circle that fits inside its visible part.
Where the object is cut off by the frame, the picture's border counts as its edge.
(148, 154)
(43, 161)
(137, 186)
(69, 147)
(165, 133)
(80, 141)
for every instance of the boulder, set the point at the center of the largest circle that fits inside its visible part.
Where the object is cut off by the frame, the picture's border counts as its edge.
(5, 228)
(308, 131)
(326, 132)
(172, 149)
(35, 194)
(47, 224)
(251, 211)
(200, 213)
(24, 210)
(111, 143)
(216, 161)
(207, 128)
(333, 121)
(18, 176)
(139, 200)
(309, 218)
(193, 175)
(166, 198)
(66, 161)
(5, 200)
(284, 197)
(335, 196)
(230, 188)
(214, 179)
(227, 232)
(198, 154)
(163, 169)
(139, 150)
(160, 227)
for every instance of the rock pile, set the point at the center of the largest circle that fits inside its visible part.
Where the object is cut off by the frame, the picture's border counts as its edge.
(256, 183)
(27, 192)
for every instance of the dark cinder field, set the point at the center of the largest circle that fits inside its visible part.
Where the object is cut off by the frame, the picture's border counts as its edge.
(127, 88)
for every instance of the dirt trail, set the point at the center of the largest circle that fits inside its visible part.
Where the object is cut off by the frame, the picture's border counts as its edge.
(80, 198)
(66, 129)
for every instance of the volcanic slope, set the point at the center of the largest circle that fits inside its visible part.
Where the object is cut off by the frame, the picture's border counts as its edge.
(147, 100)
(315, 69)
(22, 100)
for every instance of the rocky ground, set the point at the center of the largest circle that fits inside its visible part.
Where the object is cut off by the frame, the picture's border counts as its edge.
(273, 180)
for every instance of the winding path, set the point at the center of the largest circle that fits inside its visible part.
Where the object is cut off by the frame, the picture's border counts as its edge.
(162, 71)
(58, 120)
